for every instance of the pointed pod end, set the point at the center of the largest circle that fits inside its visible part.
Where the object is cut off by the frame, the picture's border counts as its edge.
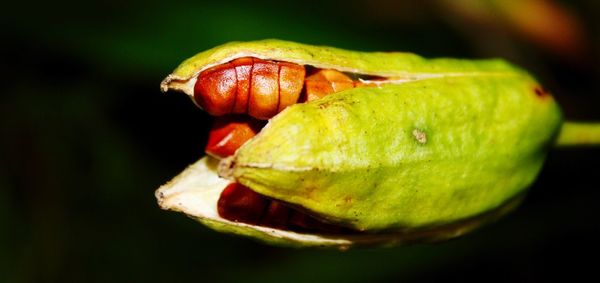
(164, 85)
(173, 82)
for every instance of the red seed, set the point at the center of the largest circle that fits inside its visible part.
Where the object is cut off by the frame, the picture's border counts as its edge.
(291, 79)
(302, 221)
(299, 221)
(215, 89)
(324, 82)
(264, 90)
(229, 133)
(276, 215)
(240, 204)
(243, 69)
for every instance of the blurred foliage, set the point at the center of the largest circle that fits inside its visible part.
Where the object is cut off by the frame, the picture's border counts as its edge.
(86, 137)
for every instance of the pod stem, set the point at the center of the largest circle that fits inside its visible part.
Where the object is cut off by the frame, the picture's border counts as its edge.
(579, 134)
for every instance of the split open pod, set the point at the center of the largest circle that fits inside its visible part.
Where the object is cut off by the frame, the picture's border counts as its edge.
(410, 150)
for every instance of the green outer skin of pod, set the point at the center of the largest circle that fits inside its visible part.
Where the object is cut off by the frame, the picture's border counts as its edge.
(449, 141)
(405, 156)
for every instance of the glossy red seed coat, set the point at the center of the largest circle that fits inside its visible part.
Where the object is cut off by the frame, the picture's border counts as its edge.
(264, 90)
(324, 82)
(291, 80)
(252, 86)
(221, 83)
(228, 133)
(243, 69)
(240, 204)
(276, 215)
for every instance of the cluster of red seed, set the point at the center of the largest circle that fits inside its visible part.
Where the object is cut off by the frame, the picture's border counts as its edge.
(250, 86)
(242, 94)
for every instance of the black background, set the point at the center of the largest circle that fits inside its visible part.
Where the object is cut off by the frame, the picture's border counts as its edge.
(86, 137)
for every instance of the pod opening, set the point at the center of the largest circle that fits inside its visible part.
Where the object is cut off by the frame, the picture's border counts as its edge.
(262, 88)
(238, 203)
(242, 94)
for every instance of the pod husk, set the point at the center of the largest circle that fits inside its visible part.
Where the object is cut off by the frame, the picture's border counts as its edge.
(446, 146)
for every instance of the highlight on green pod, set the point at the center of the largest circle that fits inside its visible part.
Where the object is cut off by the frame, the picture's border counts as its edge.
(316, 146)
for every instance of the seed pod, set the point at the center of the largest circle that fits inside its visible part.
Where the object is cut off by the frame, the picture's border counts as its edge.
(437, 149)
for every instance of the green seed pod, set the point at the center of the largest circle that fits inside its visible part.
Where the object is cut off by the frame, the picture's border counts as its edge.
(440, 148)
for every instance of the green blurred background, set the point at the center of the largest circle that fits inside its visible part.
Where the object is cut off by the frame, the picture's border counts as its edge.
(86, 137)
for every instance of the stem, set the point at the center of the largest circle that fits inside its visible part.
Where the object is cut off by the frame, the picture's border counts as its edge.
(579, 134)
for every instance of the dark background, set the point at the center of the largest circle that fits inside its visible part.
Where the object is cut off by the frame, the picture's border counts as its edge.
(86, 137)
